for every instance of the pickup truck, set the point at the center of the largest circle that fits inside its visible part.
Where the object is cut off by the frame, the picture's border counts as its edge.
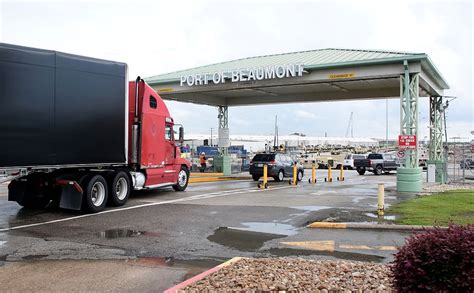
(377, 163)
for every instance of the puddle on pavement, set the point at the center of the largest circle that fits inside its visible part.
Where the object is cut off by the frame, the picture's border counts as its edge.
(386, 217)
(124, 233)
(242, 240)
(269, 228)
(193, 267)
(311, 208)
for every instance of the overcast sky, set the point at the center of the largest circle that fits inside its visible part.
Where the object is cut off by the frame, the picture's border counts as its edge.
(155, 37)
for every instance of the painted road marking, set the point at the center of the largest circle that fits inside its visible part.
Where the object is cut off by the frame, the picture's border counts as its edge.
(190, 198)
(329, 225)
(325, 245)
(386, 247)
(330, 245)
(348, 246)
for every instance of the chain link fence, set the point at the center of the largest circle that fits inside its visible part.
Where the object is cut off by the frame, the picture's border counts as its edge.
(460, 166)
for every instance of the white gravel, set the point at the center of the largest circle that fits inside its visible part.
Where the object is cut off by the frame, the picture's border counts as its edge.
(296, 275)
(433, 188)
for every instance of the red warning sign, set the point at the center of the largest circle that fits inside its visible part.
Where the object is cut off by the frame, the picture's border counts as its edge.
(407, 142)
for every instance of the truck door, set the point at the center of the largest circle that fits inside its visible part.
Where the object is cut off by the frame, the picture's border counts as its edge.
(170, 153)
(169, 145)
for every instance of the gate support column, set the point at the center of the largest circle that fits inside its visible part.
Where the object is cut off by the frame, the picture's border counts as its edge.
(409, 174)
(436, 156)
(223, 162)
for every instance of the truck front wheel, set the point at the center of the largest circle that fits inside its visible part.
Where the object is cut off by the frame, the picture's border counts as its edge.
(95, 194)
(119, 188)
(183, 179)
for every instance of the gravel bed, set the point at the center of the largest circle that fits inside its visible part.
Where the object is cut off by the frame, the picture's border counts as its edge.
(433, 188)
(296, 275)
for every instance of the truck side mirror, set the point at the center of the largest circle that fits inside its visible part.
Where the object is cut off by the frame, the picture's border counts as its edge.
(181, 134)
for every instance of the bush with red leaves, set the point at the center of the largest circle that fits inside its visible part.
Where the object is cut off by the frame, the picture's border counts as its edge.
(437, 260)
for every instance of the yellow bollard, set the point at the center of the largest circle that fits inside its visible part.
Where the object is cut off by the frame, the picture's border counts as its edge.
(264, 184)
(329, 178)
(341, 173)
(380, 199)
(295, 171)
(265, 176)
(313, 174)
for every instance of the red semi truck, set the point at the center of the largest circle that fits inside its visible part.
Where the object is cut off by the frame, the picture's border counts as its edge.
(74, 132)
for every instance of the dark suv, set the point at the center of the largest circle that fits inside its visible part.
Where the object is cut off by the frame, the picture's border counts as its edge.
(279, 166)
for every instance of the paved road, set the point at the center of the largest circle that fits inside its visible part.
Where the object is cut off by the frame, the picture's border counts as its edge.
(161, 237)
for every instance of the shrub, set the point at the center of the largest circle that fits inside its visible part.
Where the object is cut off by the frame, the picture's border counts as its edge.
(436, 260)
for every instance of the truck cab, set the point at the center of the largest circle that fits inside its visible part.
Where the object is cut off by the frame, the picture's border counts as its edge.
(153, 147)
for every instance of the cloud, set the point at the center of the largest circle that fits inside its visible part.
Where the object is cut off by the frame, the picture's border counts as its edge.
(302, 114)
(155, 37)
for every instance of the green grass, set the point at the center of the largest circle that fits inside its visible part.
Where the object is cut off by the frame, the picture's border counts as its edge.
(441, 209)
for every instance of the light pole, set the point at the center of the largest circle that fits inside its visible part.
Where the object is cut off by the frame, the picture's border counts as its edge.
(211, 136)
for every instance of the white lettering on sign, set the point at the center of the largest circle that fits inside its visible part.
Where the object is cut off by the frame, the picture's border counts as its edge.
(250, 74)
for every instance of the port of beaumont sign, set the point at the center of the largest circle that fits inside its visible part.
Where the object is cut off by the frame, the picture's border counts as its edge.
(249, 74)
(407, 142)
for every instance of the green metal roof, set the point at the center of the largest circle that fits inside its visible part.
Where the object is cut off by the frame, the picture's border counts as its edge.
(314, 59)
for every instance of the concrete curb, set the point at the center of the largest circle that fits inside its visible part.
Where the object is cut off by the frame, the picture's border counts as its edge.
(201, 276)
(329, 225)
(214, 179)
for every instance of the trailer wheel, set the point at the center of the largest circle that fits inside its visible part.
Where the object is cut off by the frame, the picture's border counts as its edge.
(183, 179)
(119, 188)
(95, 194)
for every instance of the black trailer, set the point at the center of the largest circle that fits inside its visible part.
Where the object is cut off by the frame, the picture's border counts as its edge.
(59, 112)
(60, 109)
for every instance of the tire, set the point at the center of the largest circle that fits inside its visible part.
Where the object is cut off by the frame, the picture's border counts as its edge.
(255, 177)
(119, 186)
(183, 179)
(378, 170)
(280, 176)
(299, 176)
(361, 171)
(95, 194)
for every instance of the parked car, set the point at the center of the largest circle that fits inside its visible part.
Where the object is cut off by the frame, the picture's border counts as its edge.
(468, 164)
(349, 160)
(279, 166)
(377, 163)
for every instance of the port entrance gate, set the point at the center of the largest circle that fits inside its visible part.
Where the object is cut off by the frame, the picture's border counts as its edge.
(317, 76)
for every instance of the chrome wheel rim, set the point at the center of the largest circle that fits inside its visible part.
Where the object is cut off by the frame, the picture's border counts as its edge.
(121, 188)
(98, 194)
(300, 176)
(280, 175)
(182, 178)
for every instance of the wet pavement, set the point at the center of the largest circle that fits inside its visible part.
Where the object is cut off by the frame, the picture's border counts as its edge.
(165, 236)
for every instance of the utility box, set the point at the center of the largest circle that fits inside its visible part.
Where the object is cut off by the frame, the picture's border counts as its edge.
(439, 172)
(431, 173)
(223, 164)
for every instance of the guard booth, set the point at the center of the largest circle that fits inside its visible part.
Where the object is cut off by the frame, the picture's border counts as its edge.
(317, 76)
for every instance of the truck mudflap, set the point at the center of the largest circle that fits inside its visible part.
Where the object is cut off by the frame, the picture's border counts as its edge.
(71, 194)
(17, 190)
